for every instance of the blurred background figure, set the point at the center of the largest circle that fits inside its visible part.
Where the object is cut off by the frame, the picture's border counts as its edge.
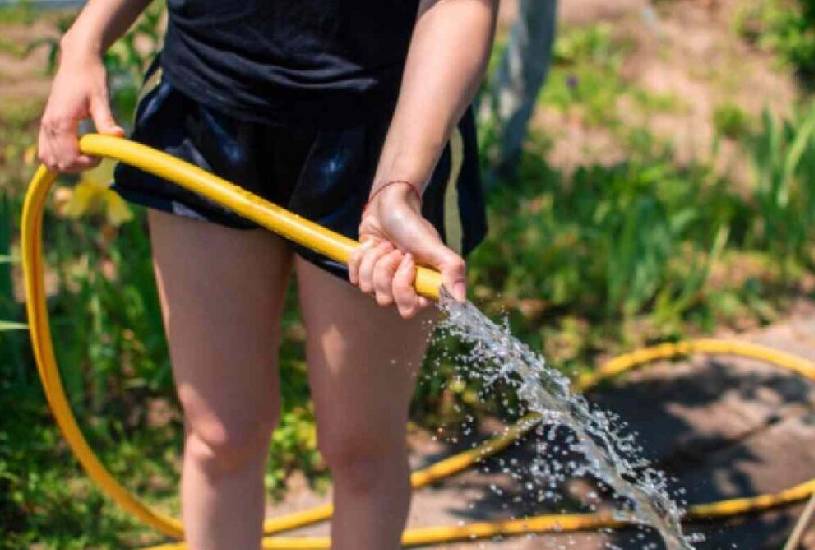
(509, 101)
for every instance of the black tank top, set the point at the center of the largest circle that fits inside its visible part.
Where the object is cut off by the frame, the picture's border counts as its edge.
(321, 62)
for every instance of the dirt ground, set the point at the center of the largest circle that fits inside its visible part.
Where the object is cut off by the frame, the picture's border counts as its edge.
(687, 50)
(23, 77)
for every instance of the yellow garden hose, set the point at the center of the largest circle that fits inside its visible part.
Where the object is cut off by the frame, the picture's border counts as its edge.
(338, 248)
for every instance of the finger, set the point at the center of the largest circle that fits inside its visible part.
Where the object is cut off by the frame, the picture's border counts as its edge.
(452, 269)
(432, 252)
(60, 132)
(403, 291)
(103, 117)
(453, 275)
(383, 277)
(356, 258)
(44, 153)
(80, 163)
(46, 148)
(366, 266)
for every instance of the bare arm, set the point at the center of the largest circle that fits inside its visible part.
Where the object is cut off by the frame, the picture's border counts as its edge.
(446, 60)
(79, 89)
(101, 23)
(448, 53)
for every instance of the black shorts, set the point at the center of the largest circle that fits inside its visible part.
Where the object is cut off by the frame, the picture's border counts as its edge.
(324, 175)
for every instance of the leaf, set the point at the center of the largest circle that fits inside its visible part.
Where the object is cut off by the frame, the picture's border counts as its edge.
(11, 325)
(799, 144)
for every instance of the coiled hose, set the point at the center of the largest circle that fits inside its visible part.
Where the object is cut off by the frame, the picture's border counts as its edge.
(338, 248)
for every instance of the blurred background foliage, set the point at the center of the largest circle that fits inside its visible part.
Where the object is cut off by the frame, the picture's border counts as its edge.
(585, 258)
(785, 27)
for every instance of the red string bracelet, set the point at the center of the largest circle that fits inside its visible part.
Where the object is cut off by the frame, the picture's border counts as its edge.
(375, 193)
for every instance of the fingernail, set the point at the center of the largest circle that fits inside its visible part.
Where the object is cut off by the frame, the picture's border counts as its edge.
(459, 291)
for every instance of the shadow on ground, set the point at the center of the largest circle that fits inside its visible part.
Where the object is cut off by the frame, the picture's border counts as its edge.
(724, 427)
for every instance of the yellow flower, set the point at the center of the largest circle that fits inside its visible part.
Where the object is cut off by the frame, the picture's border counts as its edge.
(92, 194)
(30, 155)
(117, 210)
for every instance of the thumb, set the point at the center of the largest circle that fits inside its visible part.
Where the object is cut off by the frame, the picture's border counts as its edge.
(103, 117)
(453, 271)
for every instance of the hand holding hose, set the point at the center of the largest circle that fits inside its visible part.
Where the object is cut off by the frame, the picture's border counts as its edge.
(395, 237)
(79, 91)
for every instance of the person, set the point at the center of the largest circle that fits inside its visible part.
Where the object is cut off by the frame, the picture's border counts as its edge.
(353, 114)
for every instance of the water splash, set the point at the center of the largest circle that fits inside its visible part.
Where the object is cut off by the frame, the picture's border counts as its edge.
(609, 455)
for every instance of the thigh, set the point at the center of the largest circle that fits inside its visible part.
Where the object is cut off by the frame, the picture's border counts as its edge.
(222, 292)
(363, 359)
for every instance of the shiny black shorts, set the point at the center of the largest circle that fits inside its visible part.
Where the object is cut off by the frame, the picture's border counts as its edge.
(324, 175)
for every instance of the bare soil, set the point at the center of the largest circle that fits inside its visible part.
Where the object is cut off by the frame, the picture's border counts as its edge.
(685, 49)
(23, 77)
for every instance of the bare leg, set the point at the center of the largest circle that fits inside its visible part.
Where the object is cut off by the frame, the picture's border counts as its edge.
(363, 360)
(222, 293)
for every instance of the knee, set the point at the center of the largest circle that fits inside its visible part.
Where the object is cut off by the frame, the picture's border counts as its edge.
(221, 447)
(358, 462)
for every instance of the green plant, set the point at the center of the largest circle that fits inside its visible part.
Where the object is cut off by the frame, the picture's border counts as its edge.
(730, 121)
(11, 314)
(602, 242)
(786, 27)
(783, 155)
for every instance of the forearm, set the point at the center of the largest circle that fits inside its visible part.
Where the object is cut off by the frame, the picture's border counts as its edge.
(448, 53)
(100, 24)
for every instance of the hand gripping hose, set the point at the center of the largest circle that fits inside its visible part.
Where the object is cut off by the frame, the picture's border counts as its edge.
(338, 248)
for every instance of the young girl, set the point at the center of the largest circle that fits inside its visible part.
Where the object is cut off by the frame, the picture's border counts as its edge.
(351, 113)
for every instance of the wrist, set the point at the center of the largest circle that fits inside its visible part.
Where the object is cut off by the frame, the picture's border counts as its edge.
(396, 192)
(414, 164)
(404, 192)
(78, 46)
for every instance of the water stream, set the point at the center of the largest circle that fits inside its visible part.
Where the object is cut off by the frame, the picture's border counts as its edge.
(608, 454)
